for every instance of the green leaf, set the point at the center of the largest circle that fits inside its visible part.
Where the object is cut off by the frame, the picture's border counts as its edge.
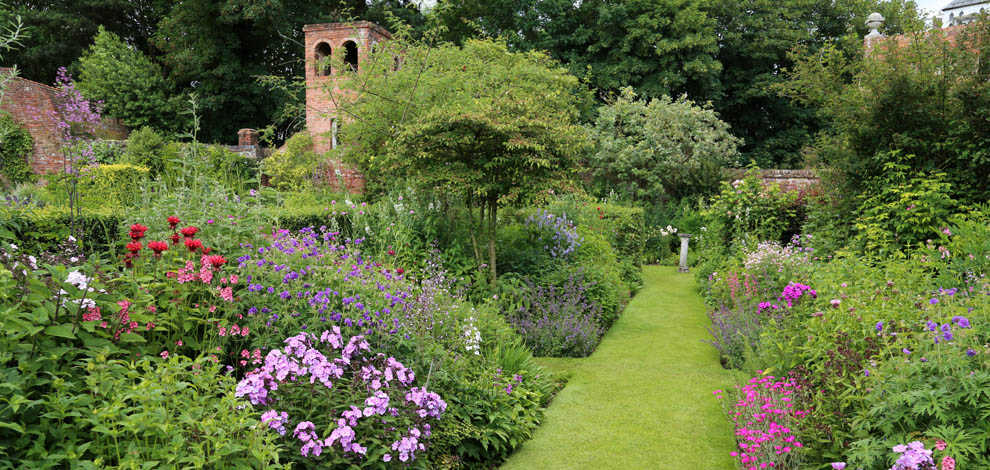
(62, 331)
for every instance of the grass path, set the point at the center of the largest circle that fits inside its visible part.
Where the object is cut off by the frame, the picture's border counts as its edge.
(643, 400)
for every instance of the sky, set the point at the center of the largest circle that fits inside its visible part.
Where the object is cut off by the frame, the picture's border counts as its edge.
(932, 5)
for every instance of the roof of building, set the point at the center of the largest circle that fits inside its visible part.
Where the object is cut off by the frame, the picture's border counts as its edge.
(963, 3)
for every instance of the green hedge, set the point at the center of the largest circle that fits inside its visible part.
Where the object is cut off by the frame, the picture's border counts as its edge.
(41, 229)
(118, 185)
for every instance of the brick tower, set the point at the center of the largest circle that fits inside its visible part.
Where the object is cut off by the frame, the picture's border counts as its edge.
(352, 42)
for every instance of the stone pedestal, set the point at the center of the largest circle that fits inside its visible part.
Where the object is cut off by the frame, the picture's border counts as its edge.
(685, 237)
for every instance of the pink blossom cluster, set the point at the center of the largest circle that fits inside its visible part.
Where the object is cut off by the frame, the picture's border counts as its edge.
(794, 291)
(385, 380)
(765, 417)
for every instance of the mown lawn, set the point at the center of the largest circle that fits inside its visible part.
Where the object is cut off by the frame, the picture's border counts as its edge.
(643, 400)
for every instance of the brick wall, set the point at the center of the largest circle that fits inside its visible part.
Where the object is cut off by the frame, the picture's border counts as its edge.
(788, 180)
(30, 103)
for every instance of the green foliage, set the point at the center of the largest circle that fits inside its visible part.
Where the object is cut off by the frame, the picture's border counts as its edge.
(498, 139)
(71, 397)
(923, 98)
(292, 168)
(108, 152)
(16, 146)
(745, 210)
(231, 169)
(40, 229)
(146, 147)
(651, 151)
(131, 86)
(903, 211)
(117, 185)
(178, 411)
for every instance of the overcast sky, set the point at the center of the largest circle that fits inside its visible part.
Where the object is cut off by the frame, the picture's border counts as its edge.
(932, 5)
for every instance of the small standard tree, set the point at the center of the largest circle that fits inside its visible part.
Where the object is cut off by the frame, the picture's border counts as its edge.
(493, 126)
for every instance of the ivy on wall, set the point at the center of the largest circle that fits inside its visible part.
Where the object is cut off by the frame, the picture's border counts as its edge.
(15, 147)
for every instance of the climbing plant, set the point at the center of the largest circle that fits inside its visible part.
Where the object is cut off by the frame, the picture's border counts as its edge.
(15, 146)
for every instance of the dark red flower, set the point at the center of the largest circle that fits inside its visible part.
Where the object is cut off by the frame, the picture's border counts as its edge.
(157, 247)
(175, 238)
(189, 231)
(134, 247)
(391, 252)
(400, 270)
(173, 221)
(194, 244)
(127, 261)
(216, 260)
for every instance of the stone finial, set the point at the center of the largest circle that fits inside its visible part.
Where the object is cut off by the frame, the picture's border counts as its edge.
(875, 21)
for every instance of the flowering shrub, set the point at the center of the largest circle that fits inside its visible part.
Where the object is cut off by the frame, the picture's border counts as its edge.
(366, 409)
(766, 421)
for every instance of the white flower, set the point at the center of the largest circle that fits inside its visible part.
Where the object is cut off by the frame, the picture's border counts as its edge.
(13, 247)
(72, 239)
(74, 259)
(33, 261)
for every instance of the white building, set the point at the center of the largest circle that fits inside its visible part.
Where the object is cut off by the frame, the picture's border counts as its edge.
(963, 11)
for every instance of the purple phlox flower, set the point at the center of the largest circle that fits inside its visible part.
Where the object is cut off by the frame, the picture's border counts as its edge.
(970, 352)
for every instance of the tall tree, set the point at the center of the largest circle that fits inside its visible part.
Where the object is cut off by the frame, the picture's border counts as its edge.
(61, 29)
(129, 84)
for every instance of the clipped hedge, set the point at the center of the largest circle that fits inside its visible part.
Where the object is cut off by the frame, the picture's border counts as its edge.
(41, 229)
(118, 185)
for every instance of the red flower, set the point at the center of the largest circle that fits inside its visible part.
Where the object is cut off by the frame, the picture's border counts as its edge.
(139, 228)
(194, 244)
(157, 247)
(400, 270)
(175, 238)
(391, 252)
(127, 261)
(173, 221)
(189, 232)
(134, 247)
(216, 260)
(206, 250)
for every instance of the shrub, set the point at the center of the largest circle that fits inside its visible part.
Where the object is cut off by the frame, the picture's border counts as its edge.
(147, 148)
(292, 167)
(16, 146)
(112, 185)
(231, 169)
(108, 152)
(903, 211)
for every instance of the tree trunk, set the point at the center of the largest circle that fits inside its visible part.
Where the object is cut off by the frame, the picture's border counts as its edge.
(492, 213)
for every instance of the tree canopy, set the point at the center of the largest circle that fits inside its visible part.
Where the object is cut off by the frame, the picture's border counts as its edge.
(492, 126)
(131, 86)
(649, 150)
